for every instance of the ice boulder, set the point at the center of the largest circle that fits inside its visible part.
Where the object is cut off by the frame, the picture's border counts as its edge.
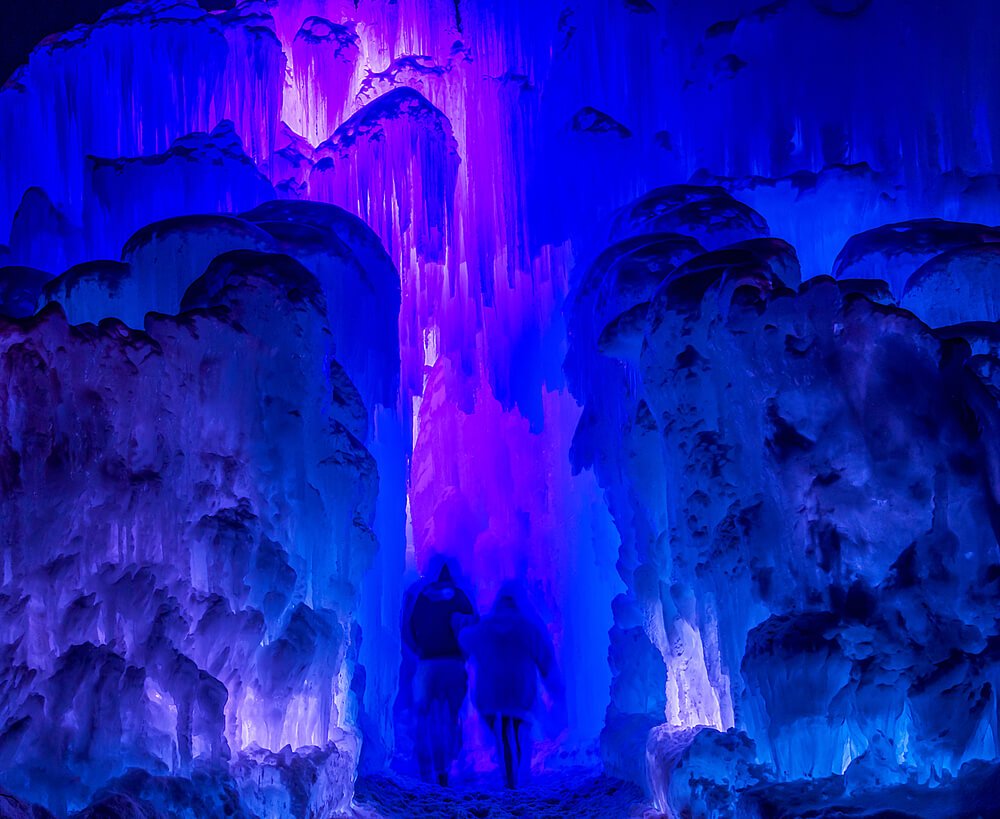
(701, 771)
(91, 291)
(894, 252)
(956, 287)
(706, 213)
(42, 235)
(360, 283)
(394, 163)
(20, 289)
(201, 172)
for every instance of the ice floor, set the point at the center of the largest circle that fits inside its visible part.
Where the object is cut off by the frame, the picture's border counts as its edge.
(584, 793)
(576, 793)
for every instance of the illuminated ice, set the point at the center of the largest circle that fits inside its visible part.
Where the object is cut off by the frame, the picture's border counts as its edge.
(684, 315)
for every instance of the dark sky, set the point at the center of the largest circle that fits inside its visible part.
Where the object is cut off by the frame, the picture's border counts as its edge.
(24, 22)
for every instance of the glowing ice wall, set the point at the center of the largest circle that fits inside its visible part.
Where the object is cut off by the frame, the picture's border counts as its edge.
(186, 511)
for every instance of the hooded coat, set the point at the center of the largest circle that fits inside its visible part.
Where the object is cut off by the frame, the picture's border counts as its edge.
(507, 650)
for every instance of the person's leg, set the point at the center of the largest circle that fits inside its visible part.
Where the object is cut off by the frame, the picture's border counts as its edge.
(441, 741)
(422, 746)
(491, 723)
(441, 690)
(518, 727)
(510, 771)
(451, 715)
(421, 724)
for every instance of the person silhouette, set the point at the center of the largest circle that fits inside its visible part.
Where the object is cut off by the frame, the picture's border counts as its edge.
(440, 682)
(508, 648)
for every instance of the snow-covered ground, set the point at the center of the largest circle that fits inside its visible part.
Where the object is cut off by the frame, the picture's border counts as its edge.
(576, 793)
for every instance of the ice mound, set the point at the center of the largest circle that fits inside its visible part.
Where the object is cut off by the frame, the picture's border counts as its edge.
(202, 172)
(399, 143)
(956, 287)
(20, 289)
(42, 235)
(707, 214)
(802, 478)
(893, 252)
(189, 516)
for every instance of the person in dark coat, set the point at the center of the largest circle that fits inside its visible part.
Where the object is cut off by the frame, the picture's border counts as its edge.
(440, 683)
(509, 648)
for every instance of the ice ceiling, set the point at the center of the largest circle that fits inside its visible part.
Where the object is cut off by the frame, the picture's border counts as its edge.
(682, 313)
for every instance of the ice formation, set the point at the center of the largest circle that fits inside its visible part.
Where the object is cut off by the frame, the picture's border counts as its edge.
(170, 506)
(804, 483)
(683, 314)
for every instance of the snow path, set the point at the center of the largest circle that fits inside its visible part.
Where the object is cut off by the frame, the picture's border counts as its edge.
(551, 796)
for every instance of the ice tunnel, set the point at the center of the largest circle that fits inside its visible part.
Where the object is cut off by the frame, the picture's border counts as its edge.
(668, 328)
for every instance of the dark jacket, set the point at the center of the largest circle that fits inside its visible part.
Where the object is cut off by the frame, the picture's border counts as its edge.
(432, 628)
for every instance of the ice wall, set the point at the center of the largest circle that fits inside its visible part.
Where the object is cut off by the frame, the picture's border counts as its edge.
(662, 641)
(803, 479)
(186, 521)
(163, 263)
(142, 76)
